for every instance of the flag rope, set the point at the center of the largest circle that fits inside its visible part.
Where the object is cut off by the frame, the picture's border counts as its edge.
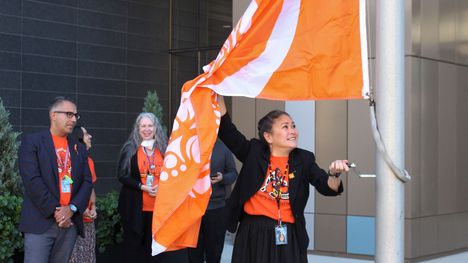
(400, 173)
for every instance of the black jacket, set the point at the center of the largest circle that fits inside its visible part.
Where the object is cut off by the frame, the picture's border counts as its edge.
(131, 198)
(221, 161)
(255, 157)
(38, 169)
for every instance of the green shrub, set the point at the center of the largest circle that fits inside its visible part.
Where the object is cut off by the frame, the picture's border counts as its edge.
(10, 181)
(11, 238)
(152, 105)
(109, 229)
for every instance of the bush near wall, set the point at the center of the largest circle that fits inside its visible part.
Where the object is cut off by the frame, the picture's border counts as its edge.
(11, 239)
(109, 229)
(152, 105)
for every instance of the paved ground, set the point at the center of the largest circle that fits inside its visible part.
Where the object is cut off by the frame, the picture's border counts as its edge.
(458, 258)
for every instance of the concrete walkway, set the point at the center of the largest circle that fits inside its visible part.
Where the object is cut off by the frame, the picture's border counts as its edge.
(457, 258)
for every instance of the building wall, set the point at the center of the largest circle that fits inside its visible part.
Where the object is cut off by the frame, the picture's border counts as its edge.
(437, 65)
(103, 54)
(198, 30)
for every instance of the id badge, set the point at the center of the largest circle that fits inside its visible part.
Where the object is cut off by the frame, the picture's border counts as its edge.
(281, 235)
(149, 180)
(65, 186)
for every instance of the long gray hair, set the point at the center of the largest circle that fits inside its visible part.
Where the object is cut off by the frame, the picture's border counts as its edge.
(131, 145)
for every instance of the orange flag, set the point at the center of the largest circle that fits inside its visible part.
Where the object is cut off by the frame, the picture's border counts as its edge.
(281, 50)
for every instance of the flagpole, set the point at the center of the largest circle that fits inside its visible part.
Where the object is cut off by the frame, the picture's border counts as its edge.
(390, 101)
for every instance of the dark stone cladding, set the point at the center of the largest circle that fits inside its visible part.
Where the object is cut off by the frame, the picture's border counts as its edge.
(103, 54)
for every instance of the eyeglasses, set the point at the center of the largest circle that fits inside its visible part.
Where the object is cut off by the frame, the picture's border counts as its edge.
(69, 114)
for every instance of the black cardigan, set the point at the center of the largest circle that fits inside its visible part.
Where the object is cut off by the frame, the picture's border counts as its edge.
(131, 198)
(255, 155)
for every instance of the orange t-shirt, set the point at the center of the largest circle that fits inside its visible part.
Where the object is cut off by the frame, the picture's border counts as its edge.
(144, 165)
(94, 178)
(91, 168)
(264, 201)
(64, 169)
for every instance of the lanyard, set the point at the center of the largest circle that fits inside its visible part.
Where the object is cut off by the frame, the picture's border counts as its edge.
(150, 160)
(278, 182)
(62, 166)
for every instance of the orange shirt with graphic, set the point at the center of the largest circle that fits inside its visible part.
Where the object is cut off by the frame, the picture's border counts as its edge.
(264, 202)
(94, 178)
(144, 165)
(61, 148)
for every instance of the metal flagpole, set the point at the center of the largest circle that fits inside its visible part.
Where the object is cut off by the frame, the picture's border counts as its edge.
(390, 100)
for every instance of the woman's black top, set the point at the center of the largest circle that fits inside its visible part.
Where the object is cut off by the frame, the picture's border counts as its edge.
(131, 197)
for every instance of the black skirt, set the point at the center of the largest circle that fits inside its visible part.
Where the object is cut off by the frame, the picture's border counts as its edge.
(255, 242)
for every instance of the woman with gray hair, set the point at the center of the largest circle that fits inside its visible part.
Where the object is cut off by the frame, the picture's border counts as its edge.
(140, 163)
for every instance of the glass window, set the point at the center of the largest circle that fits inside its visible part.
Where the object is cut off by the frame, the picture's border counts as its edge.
(198, 30)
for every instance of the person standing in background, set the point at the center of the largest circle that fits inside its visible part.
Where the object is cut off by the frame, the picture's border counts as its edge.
(140, 164)
(57, 186)
(85, 248)
(213, 226)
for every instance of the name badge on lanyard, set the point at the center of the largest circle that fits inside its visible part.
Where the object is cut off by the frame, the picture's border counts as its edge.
(149, 179)
(66, 181)
(65, 186)
(281, 235)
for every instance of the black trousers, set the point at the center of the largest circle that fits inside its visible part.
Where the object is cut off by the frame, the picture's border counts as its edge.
(137, 248)
(211, 238)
